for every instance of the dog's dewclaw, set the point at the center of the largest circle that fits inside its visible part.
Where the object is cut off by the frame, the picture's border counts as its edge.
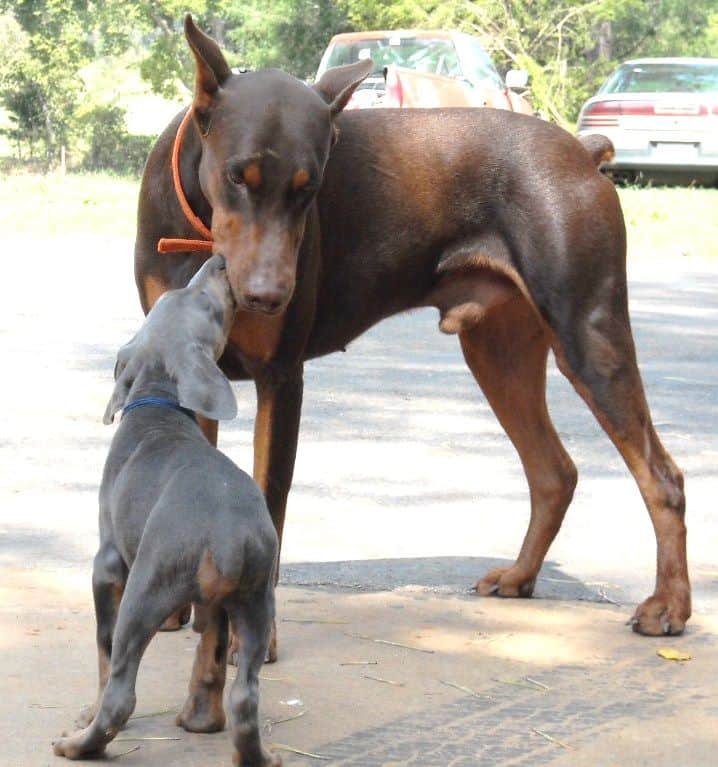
(670, 653)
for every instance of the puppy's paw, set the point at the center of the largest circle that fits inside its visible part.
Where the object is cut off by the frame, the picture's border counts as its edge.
(269, 759)
(77, 745)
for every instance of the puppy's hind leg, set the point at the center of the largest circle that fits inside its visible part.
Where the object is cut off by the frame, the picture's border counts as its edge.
(203, 711)
(109, 575)
(252, 624)
(145, 604)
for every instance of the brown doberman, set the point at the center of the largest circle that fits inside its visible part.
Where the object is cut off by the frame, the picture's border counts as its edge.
(331, 222)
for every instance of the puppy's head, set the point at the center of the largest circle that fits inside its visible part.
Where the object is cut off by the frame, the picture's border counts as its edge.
(182, 337)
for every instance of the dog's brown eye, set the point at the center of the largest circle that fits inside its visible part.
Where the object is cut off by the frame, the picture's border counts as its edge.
(304, 194)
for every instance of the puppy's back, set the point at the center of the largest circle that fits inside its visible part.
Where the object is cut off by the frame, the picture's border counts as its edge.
(191, 503)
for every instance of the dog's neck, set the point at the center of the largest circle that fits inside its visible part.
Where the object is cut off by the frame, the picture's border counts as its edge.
(189, 173)
(155, 382)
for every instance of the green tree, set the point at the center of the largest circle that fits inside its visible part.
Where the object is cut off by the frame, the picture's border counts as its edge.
(290, 34)
(40, 82)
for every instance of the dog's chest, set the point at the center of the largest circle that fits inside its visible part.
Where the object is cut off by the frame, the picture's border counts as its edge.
(256, 337)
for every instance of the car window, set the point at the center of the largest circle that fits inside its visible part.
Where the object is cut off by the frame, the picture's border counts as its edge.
(663, 78)
(435, 56)
(476, 62)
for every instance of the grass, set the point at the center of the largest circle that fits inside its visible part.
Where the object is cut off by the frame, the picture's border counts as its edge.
(63, 206)
(663, 223)
(671, 222)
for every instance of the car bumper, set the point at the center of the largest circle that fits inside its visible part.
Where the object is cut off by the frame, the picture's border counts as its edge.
(643, 150)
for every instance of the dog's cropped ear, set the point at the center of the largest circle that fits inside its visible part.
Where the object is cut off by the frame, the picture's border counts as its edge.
(211, 67)
(123, 383)
(336, 85)
(203, 387)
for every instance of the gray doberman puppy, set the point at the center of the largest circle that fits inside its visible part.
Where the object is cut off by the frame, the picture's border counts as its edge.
(179, 523)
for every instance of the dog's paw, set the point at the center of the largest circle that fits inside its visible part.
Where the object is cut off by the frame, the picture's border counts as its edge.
(269, 759)
(661, 615)
(506, 582)
(76, 746)
(200, 714)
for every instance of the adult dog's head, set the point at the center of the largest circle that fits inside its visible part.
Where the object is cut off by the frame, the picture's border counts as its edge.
(266, 137)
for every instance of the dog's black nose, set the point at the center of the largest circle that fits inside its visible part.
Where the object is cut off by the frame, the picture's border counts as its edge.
(266, 301)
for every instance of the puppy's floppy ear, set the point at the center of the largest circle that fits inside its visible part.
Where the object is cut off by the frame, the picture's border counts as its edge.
(203, 387)
(123, 383)
(336, 85)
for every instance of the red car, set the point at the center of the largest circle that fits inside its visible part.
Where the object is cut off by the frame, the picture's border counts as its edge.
(418, 68)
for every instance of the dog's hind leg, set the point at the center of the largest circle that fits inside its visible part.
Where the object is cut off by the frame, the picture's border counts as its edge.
(575, 269)
(145, 604)
(203, 710)
(109, 575)
(595, 351)
(251, 622)
(506, 351)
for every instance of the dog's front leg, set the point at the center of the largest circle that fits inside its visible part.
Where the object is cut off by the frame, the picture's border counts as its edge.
(276, 429)
(203, 711)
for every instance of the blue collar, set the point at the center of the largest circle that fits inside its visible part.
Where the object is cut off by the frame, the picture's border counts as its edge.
(158, 402)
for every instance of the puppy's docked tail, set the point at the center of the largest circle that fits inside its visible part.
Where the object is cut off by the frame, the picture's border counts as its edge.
(599, 147)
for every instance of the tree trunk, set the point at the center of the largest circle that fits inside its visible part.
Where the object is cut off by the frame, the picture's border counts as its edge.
(605, 41)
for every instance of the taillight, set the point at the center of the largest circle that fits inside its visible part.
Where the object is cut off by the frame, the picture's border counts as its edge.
(600, 114)
(638, 108)
(605, 114)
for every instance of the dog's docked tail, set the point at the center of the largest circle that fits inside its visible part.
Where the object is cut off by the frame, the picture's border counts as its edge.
(599, 147)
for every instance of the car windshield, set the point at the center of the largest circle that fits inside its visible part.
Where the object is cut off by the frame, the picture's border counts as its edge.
(477, 64)
(663, 78)
(423, 54)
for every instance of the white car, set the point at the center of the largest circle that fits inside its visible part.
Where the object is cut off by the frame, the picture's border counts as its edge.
(661, 115)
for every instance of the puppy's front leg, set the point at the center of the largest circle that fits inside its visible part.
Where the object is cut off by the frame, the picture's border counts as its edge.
(144, 606)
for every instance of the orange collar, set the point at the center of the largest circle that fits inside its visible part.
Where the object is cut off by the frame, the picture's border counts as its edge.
(171, 245)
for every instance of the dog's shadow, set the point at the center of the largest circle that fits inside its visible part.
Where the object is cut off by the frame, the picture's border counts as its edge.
(441, 575)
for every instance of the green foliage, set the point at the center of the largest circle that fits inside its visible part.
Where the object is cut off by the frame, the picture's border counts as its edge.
(40, 83)
(168, 65)
(111, 146)
(291, 34)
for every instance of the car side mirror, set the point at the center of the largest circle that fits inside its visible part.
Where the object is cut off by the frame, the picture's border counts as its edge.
(517, 78)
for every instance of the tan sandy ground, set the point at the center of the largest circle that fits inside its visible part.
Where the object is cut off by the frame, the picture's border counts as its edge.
(583, 654)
